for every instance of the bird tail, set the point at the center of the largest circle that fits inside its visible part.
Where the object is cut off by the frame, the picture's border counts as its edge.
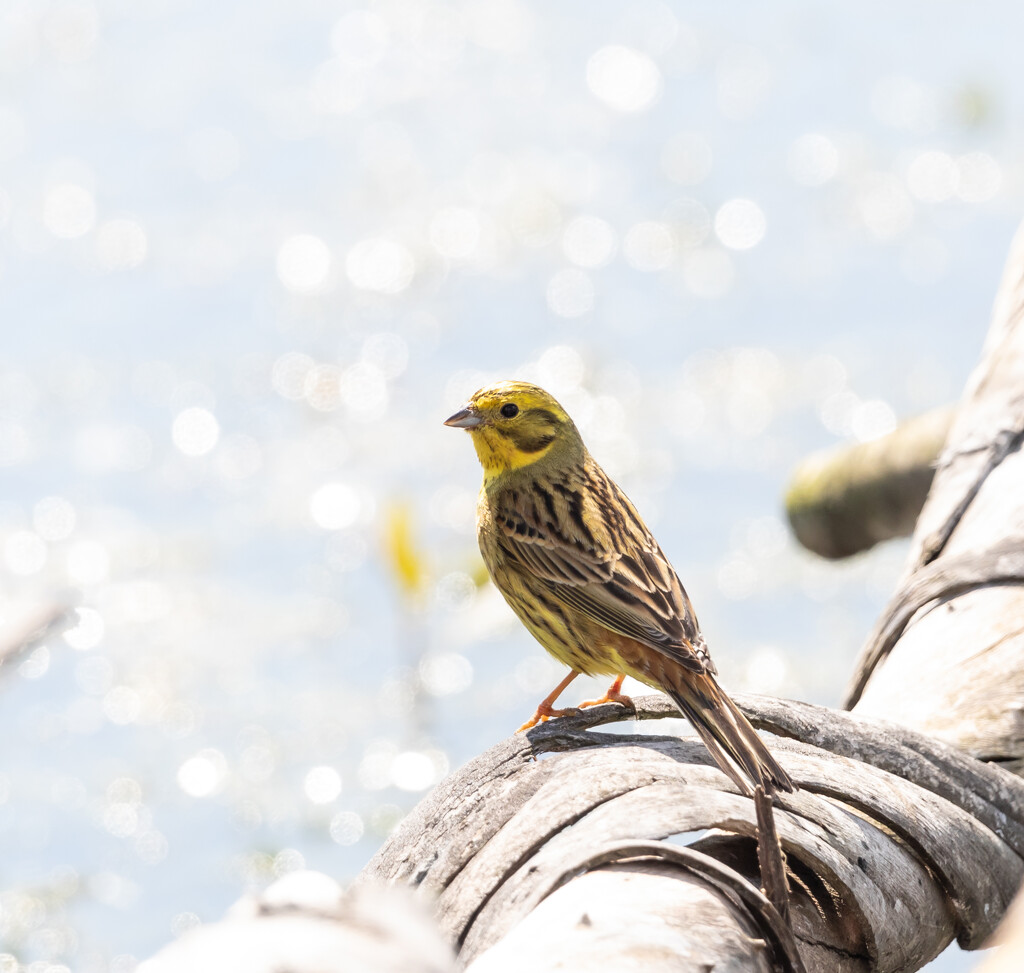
(726, 732)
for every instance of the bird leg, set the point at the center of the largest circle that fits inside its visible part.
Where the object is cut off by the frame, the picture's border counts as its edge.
(545, 711)
(614, 695)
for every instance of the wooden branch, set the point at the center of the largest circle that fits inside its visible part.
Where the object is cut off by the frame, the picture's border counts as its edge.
(623, 915)
(768, 945)
(954, 629)
(305, 923)
(845, 500)
(933, 581)
(494, 839)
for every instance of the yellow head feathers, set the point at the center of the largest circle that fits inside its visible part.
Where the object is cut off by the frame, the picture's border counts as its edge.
(515, 424)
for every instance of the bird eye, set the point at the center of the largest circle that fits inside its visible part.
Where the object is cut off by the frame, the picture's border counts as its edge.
(510, 410)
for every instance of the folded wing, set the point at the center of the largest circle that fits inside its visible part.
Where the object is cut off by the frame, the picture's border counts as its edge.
(579, 535)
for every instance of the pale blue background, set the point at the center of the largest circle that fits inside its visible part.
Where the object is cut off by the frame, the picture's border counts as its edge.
(155, 158)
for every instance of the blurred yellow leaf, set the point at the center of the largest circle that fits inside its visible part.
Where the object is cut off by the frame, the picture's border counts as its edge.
(403, 557)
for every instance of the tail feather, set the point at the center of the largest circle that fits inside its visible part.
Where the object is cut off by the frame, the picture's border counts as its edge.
(727, 733)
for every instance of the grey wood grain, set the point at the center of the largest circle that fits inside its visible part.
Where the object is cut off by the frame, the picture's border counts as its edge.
(902, 842)
(954, 629)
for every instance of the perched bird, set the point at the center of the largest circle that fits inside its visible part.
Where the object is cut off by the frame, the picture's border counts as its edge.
(573, 559)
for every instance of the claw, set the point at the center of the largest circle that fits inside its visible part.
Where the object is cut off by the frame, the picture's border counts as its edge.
(608, 698)
(612, 696)
(545, 713)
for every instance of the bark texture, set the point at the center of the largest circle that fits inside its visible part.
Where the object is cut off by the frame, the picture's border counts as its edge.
(888, 827)
(946, 655)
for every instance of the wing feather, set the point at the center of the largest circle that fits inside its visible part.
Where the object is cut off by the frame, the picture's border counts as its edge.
(580, 536)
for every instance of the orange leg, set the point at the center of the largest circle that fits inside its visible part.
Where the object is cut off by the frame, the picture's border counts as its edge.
(545, 711)
(614, 695)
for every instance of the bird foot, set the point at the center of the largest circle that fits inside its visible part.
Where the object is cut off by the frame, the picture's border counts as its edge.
(609, 697)
(545, 713)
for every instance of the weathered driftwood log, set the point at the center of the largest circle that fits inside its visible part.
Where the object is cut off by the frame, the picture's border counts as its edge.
(305, 923)
(947, 655)
(551, 848)
(844, 500)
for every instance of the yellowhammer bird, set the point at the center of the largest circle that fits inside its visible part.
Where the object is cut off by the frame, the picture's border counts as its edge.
(571, 555)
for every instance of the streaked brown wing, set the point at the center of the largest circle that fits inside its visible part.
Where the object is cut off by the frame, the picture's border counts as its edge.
(581, 536)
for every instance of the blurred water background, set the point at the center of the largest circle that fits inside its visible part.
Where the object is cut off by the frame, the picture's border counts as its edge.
(252, 253)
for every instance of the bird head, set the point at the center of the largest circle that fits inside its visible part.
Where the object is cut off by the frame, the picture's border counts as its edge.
(515, 424)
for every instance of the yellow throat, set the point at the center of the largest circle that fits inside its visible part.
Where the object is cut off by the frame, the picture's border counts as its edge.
(515, 424)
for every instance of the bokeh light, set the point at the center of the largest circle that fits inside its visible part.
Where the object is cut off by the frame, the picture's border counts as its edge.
(446, 673)
(334, 506)
(87, 631)
(53, 518)
(979, 177)
(202, 774)
(455, 232)
(239, 583)
(625, 79)
(304, 263)
(649, 246)
(69, 211)
(195, 431)
(346, 827)
(322, 785)
(740, 224)
(380, 265)
(932, 176)
(25, 552)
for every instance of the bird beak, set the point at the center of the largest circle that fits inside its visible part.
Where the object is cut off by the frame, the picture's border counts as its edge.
(464, 419)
